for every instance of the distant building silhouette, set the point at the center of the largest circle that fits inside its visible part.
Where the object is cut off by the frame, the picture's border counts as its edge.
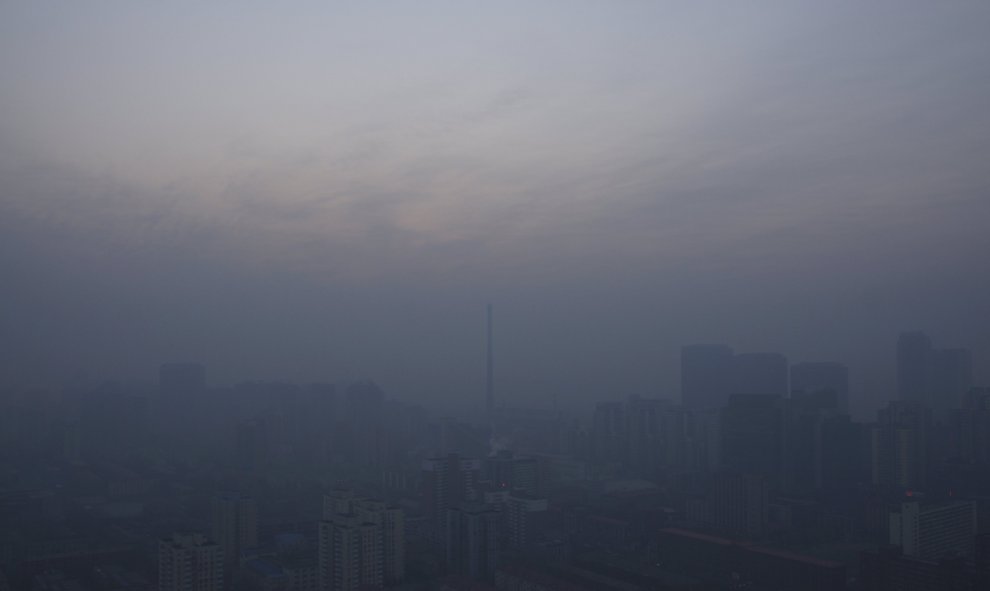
(752, 435)
(937, 378)
(235, 527)
(902, 446)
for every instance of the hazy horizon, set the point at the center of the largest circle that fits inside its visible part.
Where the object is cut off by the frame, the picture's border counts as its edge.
(334, 191)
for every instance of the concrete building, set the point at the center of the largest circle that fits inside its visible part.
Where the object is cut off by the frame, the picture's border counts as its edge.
(190, 562)
(472, 541)
(447, 482)
(361, 543)
(934, 532)
(235, 527)
(522, 513)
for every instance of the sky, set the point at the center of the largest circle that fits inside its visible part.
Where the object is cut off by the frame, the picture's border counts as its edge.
(333, 190)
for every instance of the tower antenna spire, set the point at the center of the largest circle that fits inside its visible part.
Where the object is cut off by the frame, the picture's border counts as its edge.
(489, 378)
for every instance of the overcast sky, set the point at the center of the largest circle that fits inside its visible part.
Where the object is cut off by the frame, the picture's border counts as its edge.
(329, 190)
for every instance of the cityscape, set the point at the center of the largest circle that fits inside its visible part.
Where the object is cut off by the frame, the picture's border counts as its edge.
(755, 477)
(526, 295)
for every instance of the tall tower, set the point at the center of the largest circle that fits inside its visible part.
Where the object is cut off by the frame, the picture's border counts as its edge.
(489, 385)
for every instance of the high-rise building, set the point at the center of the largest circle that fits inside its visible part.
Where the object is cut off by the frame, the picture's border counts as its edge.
(950, 378)
(645, 434)
(936, 531)
(937, 378)
(390, 523)
(901, 445)
(701, 440)
(845, 453)
(362, 543)
(235, 526)
(752, 434)
(350, 554)
(189, 562)
(826, 382)
(739, 504)
(521, 517)
(706, 375)
(447, 482)
(971, 425)
(506, 471)
(760, 373)
(472, 541)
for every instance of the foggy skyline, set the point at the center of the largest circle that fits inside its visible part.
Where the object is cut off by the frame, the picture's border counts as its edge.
(327, 192)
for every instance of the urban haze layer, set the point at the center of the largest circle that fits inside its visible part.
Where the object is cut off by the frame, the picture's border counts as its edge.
(515, 296)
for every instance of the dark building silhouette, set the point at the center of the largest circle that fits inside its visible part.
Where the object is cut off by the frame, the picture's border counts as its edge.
(752, 434)
(447, 482)
(950, 378)
(706, 375)
(472, 541)
(902, 446)
(971, 428)
(938, 378)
